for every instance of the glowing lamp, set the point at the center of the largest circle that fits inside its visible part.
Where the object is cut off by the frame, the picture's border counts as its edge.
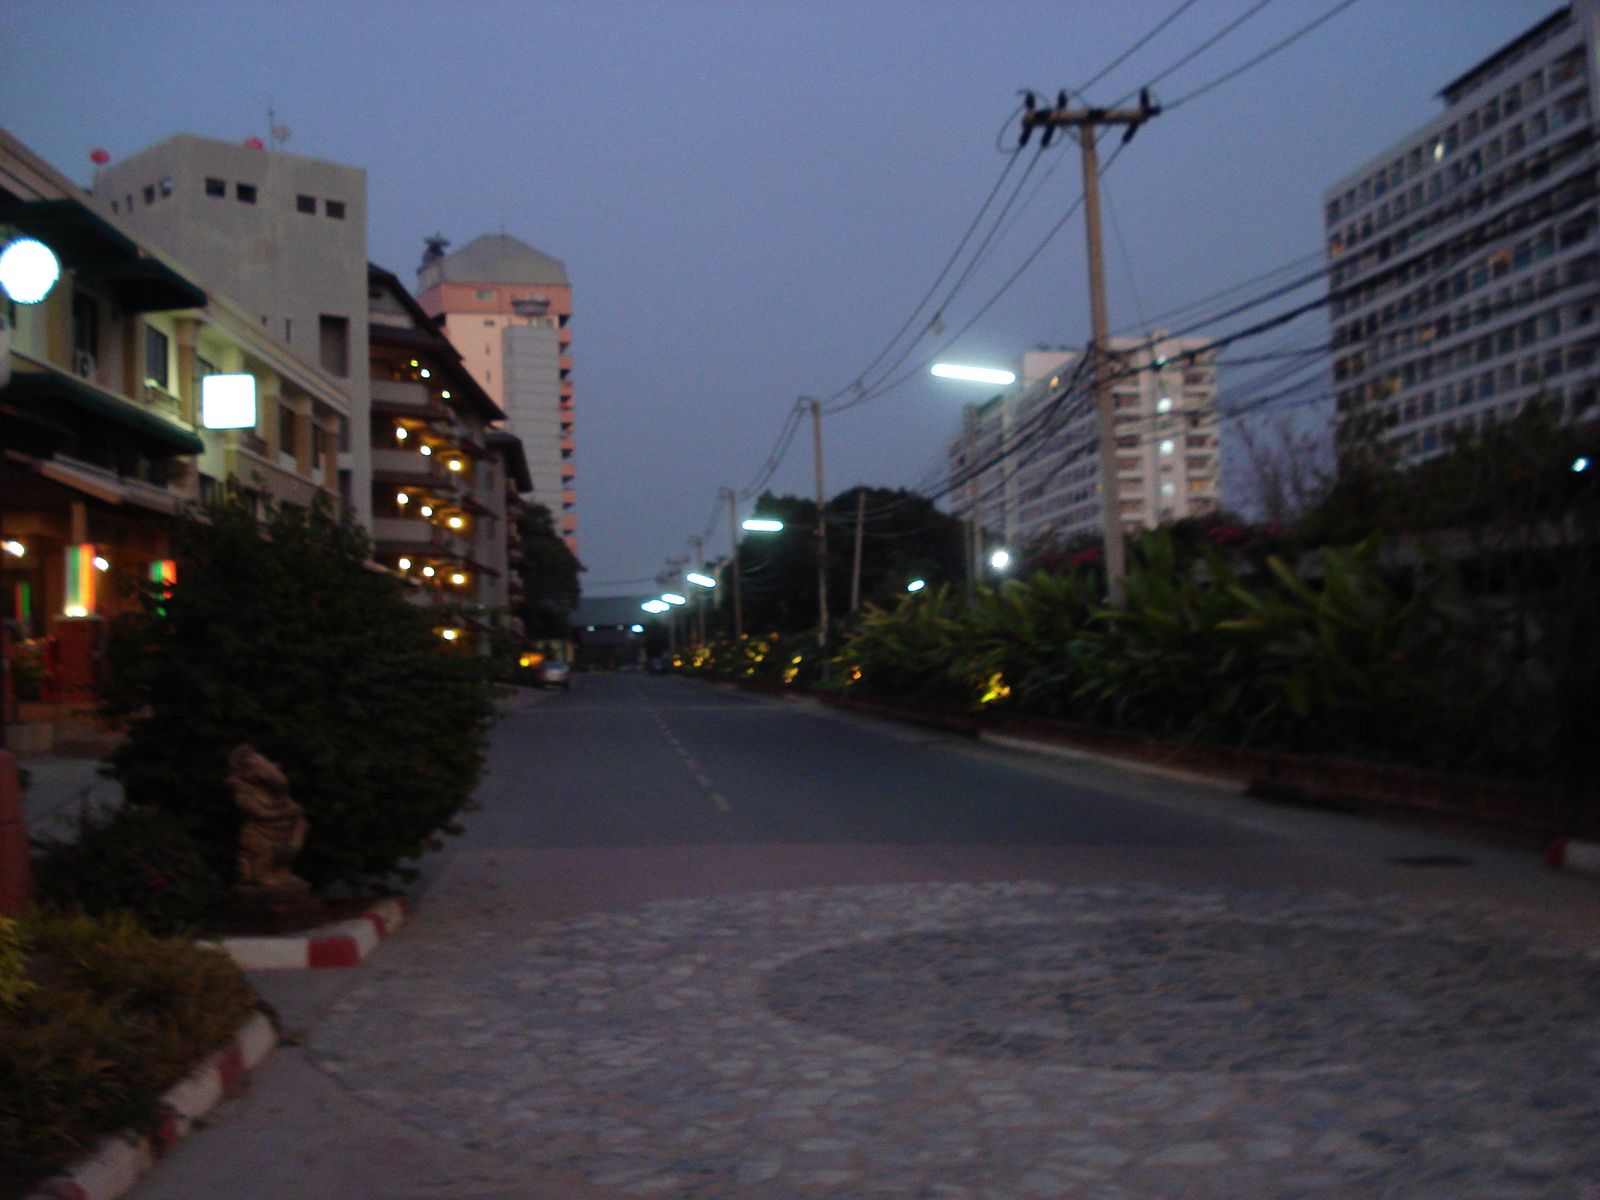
(28, 270)
(636, 628)
(655, 606)
(916, 585)
(228, 402)
(427, 510)
(425, 373)
(404, 564)
(1580, 464)
(428, 571)
(424, 450)
(702, 580)
(101, 563)
(1000, 560)
(456, 522)
(762, 525)
(401, 498)
(673, 598)
(458, 579)
(455, 464)
(402, 433)
(15, 548)
(449, 635)
(972, 374)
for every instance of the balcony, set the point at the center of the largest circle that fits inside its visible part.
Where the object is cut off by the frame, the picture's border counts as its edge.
(419, 470)
(398, 391)
(412, 535)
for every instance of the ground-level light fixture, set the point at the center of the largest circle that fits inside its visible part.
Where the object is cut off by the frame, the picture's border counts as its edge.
(655, 606)
(1000, 559)
(228, 401)
(916, 585)
(636, 628)
(673, 598)
(28, 270)
(702, 580)
(762, 525)
(973, 374)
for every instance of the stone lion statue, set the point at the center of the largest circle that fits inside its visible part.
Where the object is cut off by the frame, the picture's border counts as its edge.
(274, 826)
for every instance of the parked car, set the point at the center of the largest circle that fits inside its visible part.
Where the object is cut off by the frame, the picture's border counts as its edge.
(555, 673)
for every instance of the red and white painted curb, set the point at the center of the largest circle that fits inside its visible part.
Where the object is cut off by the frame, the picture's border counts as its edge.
(119, 1161)
(1569, 854)
(341, 944)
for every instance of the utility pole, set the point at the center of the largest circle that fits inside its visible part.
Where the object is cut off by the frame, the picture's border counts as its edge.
(972, 502)
(733, 534)
(1087, 121)
(855, 566)
(822, 524)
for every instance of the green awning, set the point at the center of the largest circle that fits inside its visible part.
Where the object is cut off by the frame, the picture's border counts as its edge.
(57, 397)
(94, 249)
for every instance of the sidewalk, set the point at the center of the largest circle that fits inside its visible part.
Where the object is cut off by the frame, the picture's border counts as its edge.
(57, 790)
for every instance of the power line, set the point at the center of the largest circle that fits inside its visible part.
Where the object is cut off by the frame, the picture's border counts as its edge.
(1131, 50)
(1198, 50)
(1263, 56)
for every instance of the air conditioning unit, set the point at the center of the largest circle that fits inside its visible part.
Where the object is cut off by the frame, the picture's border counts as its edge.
(83, 364)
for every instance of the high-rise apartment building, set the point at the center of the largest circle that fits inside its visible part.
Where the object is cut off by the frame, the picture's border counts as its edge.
(507, 307)
(1035, 444)
(1463, 258)
(283, 237)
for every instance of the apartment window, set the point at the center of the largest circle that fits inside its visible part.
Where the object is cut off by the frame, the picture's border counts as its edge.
(317, 436)
(344, 434)
(216, 187)
(286, 431)
(166, 186)
(150, 194)
(85, 325)
(335, 209)
(155, 357)
(246, 192)
(306, 204)
(334, 342)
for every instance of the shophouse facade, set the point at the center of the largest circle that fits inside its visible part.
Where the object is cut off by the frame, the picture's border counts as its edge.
(1464, 272)
(102, 420)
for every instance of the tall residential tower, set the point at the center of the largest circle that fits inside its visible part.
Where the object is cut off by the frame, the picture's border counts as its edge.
(506, 307)
(1463, 258)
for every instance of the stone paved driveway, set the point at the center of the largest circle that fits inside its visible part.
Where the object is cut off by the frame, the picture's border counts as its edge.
(960, 1041)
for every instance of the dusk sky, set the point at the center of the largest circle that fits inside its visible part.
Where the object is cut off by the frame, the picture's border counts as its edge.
(750, 198)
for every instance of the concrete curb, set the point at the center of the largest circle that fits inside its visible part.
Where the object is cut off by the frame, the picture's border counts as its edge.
(119, 1161)
(341, 944)
(1569, 854)
(1221, 780)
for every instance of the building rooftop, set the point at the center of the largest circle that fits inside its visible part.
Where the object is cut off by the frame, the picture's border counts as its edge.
(1510, 52)
(494, 258)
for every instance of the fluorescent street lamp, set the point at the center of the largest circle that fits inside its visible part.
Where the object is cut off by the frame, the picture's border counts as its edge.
(916, 585)
(762, 525)
(673, 598)
(972, 374)
(1580, 464)
(28, 270)
(1000, 560)
(636, 628)
(702, 580)
(229, 402)
(655, 606)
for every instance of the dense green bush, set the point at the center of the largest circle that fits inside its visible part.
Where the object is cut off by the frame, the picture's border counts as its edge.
(139, 860)
(115, 1018)
(1339, 660)
(279, 633)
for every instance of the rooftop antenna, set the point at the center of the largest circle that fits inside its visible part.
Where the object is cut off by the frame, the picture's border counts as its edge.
(278, 133)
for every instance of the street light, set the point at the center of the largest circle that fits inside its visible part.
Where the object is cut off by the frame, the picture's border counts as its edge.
(704, 581)
(28, 270)
(916, 585)
(762, 525)
(973, 374)
(655, 606)
(1000, 560)
(673, 598)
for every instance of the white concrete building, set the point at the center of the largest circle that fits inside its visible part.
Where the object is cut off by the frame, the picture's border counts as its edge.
(283, 237)
(1035, 444)
(1463, 258)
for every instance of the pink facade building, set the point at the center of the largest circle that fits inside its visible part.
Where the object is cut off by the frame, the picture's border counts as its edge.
(506, 308)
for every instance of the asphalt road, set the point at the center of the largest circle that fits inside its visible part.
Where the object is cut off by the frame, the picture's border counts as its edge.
(700, 945)
(637, 760)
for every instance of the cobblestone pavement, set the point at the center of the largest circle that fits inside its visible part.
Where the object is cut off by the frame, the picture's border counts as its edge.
(956, 1041)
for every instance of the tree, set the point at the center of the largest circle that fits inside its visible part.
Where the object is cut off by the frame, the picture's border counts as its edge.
(550, 570)
(280, 633)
